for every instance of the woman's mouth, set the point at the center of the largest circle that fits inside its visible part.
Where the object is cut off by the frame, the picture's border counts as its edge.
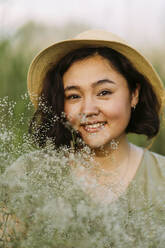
(93, 127)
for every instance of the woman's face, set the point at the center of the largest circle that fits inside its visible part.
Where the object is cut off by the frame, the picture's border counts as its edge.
(97, 100)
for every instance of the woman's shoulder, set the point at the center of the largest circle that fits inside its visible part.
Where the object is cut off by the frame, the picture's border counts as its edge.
(151, 170)
(157, 156)
(32, 159)
(155, 160)
(18, 169)
(22, 162)
(153, 167)
(149, 182)
(149, 163)
(43, 161)
(153, 173)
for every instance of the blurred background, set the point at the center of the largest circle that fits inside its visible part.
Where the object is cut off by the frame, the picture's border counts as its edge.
(27, 26)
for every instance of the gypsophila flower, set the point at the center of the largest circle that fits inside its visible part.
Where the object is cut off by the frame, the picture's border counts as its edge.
(43, 203)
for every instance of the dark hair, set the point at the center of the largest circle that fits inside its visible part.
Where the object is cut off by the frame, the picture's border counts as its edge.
(48, 123)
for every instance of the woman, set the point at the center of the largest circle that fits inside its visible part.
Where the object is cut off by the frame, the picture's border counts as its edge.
(89, 92)
(106, 89)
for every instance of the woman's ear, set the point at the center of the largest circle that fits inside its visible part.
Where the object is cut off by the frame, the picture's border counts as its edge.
(135, 96)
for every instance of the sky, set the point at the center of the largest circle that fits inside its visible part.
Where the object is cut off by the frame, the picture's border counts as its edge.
(135, 20)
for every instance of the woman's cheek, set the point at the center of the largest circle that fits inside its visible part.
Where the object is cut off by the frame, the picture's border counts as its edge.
(116, 110)
(72, 114)
(113, 109)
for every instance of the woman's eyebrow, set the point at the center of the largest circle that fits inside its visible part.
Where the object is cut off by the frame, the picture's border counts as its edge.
(101, 81)
(72, 87)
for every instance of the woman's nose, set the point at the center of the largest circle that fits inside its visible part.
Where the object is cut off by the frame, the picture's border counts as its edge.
(89, 107)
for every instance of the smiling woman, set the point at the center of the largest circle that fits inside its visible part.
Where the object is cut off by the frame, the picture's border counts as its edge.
(89, 93)
(103, 97)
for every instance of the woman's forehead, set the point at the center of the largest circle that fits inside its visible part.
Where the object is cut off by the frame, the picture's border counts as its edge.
(93, 70)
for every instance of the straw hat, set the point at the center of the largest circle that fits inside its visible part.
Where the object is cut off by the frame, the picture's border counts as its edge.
(91, 38)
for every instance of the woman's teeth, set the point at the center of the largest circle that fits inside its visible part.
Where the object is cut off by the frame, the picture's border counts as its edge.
(94, 127)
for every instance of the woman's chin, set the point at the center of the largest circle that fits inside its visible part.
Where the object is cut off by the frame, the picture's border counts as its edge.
(97, 144)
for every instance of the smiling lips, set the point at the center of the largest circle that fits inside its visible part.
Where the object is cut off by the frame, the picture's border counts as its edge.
(93, 127)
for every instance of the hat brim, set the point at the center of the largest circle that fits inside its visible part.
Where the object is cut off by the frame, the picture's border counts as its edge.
(50, 56)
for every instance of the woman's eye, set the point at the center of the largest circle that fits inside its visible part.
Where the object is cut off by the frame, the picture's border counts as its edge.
(104, 93)
(72, 97)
